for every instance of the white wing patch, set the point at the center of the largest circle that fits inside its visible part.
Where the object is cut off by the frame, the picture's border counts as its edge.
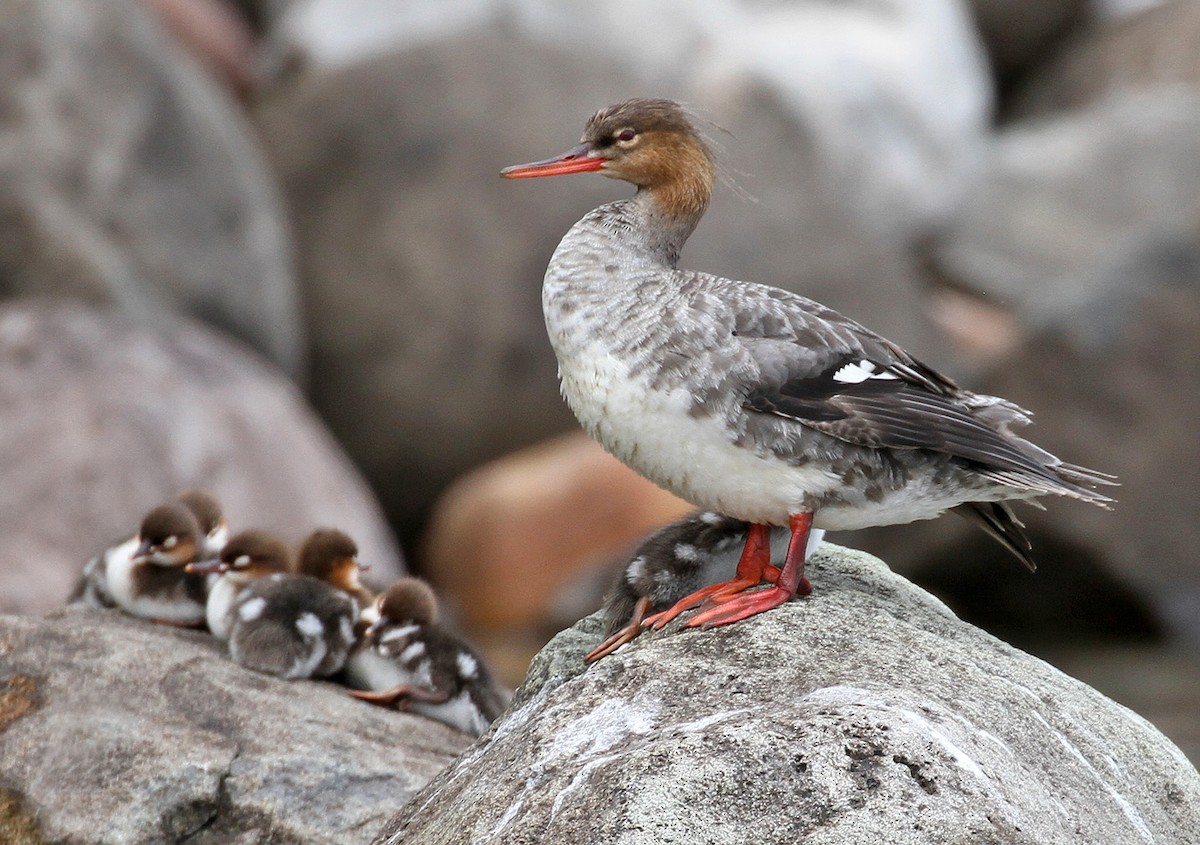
(398, 633)
(860, 371)
(686, 551)
(412, 652)
(468, 667)
(252, 609)
(309, 625)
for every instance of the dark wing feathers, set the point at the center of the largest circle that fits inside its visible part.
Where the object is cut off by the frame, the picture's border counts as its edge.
(902, 404)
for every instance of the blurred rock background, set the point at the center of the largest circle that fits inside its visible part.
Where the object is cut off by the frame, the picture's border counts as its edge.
(261, 246)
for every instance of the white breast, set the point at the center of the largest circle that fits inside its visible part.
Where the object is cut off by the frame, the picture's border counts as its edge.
(369, 670)
(220, 603)
(693, 457)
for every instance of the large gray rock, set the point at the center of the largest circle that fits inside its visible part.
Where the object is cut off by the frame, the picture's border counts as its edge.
(114, 730)
(865, 713)
(1062, 199)
(128, 177)
(101, 419)
(1155, 47)
(893, 96)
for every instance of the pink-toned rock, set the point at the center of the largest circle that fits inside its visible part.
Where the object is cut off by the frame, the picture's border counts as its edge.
(508, 537)
(216, 34)
(101, 420)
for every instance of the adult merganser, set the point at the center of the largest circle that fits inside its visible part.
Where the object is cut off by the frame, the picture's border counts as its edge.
(753, 401)
(152, 581)
(408, 661)
(673, 562)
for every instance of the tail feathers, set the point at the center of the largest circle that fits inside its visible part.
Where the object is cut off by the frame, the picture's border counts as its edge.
(998, 520)
(1058, 479)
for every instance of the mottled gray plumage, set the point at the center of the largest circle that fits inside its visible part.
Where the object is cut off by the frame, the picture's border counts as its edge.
(751, 400)
(292, 626)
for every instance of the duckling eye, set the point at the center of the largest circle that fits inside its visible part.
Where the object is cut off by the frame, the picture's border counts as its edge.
(626, 135)
(171, 542)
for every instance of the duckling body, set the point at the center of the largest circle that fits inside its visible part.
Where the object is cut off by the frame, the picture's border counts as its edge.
(292, 626)
(408, 661)
(151, 580)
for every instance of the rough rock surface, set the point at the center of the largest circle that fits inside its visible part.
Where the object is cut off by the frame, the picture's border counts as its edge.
(114, 730)
(866, 713)
(100, 420)
(129, 177)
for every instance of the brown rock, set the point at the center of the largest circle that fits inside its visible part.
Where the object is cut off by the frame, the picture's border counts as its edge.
(506, 539)
(101, 420)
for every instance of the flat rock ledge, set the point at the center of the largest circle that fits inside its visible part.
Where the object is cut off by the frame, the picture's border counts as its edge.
(865, 713)
(115, 731)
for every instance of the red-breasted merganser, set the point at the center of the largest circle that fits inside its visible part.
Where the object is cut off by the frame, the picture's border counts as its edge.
(151, 581)
(247, 557)
(753, 401)
(408, 661)
(92, 587)
(331, 556)
(207, 510)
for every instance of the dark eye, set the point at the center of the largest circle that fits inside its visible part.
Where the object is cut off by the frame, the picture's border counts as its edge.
(626, 135)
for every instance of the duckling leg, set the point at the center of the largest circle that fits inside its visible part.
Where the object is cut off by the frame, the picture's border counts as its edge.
(791, 583)
(175, 623)
(632, 628)
(754, 567)
(399, 696)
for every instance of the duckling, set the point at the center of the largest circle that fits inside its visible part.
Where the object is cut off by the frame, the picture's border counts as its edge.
(331, 556)
(292, 625)
(151, 581)
(409, 662)
(207, 509)
(247, 557)
(92, 587)
(675, 561)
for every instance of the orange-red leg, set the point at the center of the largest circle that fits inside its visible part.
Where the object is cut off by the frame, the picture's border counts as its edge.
(754, 567)
(627, 634)
(399, 696)
(791, 582)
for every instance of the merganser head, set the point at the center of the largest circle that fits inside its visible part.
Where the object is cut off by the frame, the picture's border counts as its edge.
(169, 536)
(650, 143)
(249, 555)
(405, 600)
(207, 510)
(331, 556)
